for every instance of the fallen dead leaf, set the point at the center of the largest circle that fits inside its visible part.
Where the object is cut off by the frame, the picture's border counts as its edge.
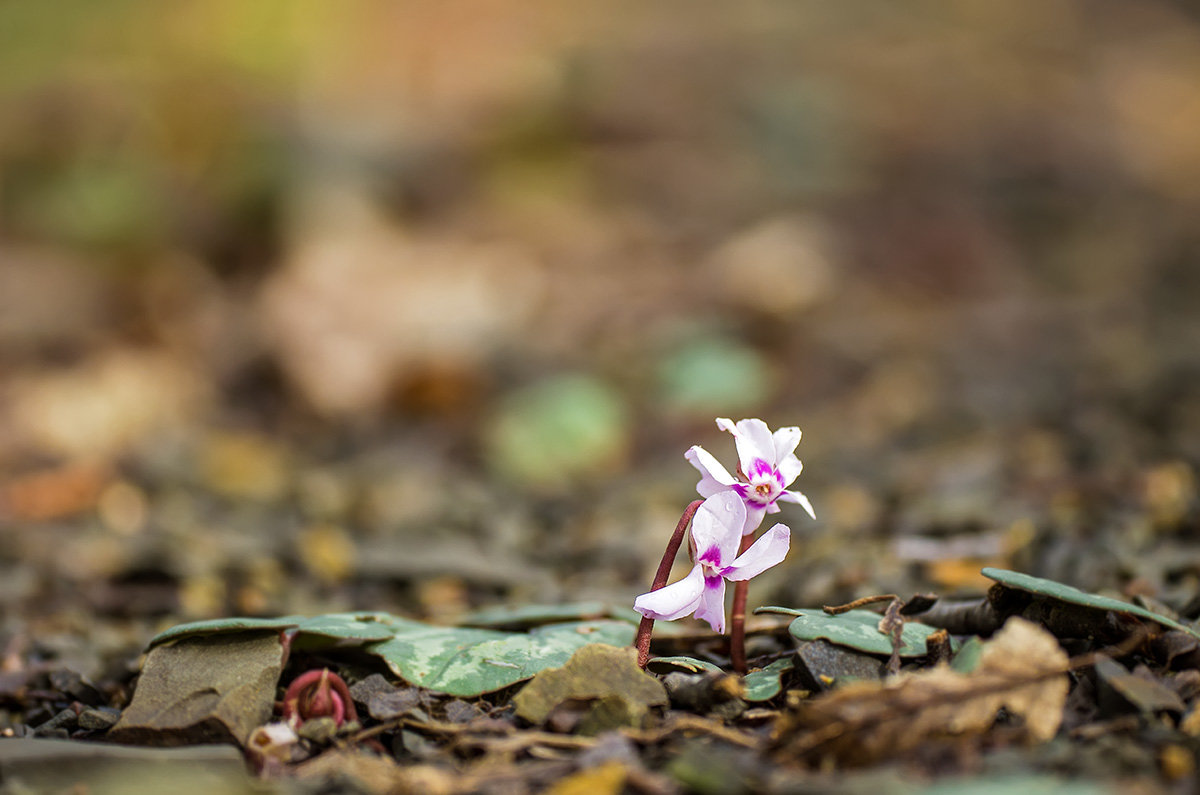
(606, 779)
(206, 689)
(1022, 669)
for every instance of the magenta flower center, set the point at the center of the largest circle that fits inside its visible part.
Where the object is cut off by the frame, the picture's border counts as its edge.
(765, 486)
(710, 562)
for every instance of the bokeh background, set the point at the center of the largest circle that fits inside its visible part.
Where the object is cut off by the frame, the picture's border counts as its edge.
(416, 306)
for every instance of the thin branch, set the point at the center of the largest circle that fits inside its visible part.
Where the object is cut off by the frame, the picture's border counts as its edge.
(837, 610)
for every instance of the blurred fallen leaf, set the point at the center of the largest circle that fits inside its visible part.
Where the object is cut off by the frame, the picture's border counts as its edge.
(360, 306)
(1022, 669)
(53, 493)
(244, 465)
(606, 779)
(791, 254)
(196, 690)
(327, 551)
(123, 508)
(101, 407)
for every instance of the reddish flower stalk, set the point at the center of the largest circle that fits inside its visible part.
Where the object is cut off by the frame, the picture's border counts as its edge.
(317, 694)
(737, 624)
(642, 641)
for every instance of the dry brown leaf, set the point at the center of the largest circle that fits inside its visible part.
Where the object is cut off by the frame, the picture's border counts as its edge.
(1022, 669)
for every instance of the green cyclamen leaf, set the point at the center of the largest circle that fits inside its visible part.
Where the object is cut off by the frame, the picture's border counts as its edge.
(1072, 595)
(225, 626)
(767, 683)
(858, 629)
(968, 657)
(461, 661)
(468, 662)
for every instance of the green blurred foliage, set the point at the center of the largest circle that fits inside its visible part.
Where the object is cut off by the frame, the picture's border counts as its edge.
(558, 431)
(714, 376)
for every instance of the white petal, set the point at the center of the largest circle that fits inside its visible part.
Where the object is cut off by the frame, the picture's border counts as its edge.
(799, 499)
(712, 605)
(719, 522)
(755, 512)
(714, 477)
(785, 440)
(673, 601)
(789, 468)
(770, 549)
(754, 443)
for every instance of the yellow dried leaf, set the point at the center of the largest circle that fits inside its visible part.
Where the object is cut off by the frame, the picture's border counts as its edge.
(328, 552)
(606, 779)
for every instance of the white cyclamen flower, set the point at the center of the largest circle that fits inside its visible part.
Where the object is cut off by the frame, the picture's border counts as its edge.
(767, 464)
(715, 538)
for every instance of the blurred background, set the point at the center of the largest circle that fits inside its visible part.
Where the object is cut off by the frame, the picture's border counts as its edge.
(416, 306)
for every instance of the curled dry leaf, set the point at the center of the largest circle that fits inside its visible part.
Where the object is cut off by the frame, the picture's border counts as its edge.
(1022, 669)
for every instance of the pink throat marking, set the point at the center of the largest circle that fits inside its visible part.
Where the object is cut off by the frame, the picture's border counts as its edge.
(710, 559)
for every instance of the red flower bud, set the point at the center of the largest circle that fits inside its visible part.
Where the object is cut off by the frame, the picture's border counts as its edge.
(318, 694)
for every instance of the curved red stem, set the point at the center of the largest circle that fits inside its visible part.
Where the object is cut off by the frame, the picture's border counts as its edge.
(737, 624)
(642, 641)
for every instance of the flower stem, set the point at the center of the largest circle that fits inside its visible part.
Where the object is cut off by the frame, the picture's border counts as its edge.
(737, 624)
(642, 641)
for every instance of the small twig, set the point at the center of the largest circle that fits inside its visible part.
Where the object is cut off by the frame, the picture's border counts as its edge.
(837, 610)
(642, 640)
(892, 625)
(1093, 730)
(686, 722)
(519, 741)
(431, 727)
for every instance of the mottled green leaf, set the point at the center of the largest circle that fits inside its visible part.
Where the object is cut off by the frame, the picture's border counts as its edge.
(468, 662)
(858, 629)
(1067, 593)
(353, 626)
(765, 684)
(334, 626)
(462, 661)
(224, 625)
(784, 611)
